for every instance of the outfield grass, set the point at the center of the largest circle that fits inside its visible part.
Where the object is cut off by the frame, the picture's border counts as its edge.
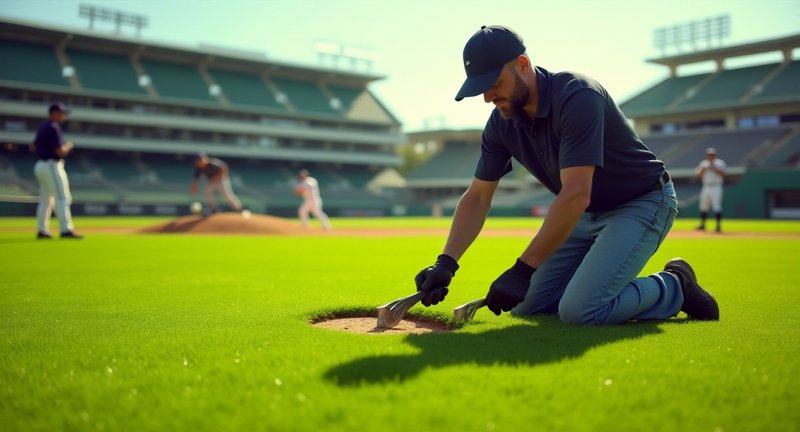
(177, 332)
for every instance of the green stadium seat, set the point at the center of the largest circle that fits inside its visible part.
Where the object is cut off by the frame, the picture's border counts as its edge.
(660, 96)
(245, 89)
(728, 87)
(346, 95)
(179, 81)
(455, 161)
(100, 71)
(784, 86)
(30, 63)
(306, 96)
(787, 155)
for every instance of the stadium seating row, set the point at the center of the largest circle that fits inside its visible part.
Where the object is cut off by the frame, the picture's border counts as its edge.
(740, 148)
(724, 89)
(116, 73)
(101, 176)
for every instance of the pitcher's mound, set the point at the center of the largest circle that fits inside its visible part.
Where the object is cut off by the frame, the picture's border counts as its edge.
(368, 325)
(227, 223)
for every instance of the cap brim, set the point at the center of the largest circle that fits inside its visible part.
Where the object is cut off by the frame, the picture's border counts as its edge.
(478, 84)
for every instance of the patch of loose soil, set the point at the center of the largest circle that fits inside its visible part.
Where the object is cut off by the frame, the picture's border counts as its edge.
(227, 223)
(368, 325)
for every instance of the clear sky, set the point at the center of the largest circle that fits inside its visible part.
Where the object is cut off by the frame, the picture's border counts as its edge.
(418, 43)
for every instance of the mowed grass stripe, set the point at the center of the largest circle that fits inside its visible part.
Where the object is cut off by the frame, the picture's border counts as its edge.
(128, 332)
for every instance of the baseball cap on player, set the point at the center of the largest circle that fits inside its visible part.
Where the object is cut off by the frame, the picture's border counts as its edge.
(58, 107)
(711, 150)
(485, 54)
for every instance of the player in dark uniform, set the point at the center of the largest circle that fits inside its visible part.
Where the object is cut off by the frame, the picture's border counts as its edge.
(217, 180)
(614, 204)
(51, 149)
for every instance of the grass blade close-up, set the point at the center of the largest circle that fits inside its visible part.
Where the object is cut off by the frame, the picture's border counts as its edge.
(127, 331)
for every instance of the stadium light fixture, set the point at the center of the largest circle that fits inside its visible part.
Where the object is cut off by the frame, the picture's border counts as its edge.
(712, 30)
(97, 13)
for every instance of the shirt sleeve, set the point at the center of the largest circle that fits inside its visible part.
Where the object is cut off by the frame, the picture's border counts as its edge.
(495, 160)
(582, 127)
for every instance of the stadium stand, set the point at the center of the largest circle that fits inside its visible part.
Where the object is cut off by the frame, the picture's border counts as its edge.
(305, 96)
(181, 81)
(135, 138)
(735, 145)
(661, 95)
(727, 87)
(247, 90)
(30, 63)
(783, 87)
(101, 71)
(788, 154)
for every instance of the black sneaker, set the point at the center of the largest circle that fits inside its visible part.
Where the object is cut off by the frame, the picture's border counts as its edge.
(43, 235)
(697, 303)
(71, 235)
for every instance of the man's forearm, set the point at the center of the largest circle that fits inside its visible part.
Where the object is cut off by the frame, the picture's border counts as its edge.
(467, 223)
(558, 225)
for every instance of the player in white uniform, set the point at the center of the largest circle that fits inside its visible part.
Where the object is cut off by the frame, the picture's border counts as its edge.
(712, 172)
(51, 149)
(308, 188)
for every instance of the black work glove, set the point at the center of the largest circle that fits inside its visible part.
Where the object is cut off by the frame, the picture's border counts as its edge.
(435, 279)
(510, 288)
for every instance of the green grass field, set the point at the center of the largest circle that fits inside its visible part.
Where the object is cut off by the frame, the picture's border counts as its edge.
(179, 332)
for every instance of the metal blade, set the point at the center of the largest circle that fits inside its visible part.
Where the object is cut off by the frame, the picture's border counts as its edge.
(390, 314)
(465, 312)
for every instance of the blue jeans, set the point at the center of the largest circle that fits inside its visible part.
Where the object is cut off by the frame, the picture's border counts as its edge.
(592, 277)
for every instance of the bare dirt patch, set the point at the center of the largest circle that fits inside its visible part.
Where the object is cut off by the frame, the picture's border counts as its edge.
(368, 325)
(227, 223)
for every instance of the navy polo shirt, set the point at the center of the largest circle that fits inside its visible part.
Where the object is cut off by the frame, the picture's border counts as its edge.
(577, 124)
(48, 139)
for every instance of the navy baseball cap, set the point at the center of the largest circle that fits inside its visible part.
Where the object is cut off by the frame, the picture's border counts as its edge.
(58, 107)
(485, 54)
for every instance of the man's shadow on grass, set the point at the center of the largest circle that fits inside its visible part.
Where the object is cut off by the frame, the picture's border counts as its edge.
(530, 342)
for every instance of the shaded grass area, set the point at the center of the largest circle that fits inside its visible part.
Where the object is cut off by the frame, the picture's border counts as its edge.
(166, 332)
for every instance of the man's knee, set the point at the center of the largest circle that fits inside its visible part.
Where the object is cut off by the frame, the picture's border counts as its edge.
(578, 313)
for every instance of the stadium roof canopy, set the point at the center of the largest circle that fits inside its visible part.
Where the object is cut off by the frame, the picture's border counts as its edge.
(34, 31)
(784, 44)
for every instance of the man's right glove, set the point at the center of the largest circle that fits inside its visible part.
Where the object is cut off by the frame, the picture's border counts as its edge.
(510, 288)
(435, 279)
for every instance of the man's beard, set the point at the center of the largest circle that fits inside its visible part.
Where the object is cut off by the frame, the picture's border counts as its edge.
(516, 101)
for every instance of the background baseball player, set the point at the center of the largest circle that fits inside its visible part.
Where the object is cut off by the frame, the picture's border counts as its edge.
(712, 172)
(51, 149)
(308, 188)
(217, 181)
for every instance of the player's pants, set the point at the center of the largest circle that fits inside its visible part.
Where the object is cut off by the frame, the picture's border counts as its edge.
(222, 187)
(53, 192)
(314, 207)
(592, 277)
(711, 197)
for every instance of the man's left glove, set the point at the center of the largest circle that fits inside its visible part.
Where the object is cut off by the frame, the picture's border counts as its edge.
(435, 279)
(510, 288)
